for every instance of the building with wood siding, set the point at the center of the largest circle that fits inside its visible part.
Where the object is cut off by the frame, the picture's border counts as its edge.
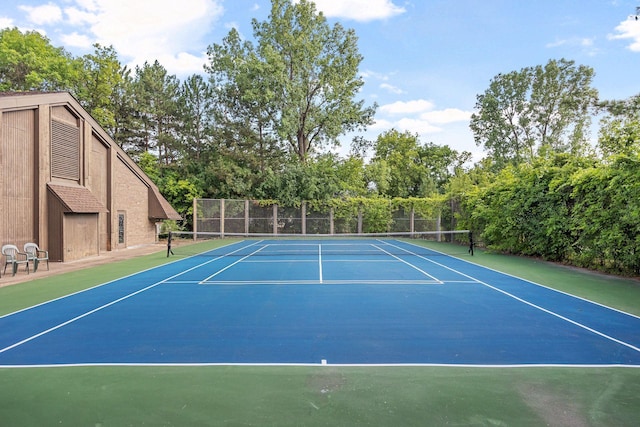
(66, 185)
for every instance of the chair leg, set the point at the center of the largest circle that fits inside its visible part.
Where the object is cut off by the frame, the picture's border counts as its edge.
(15, 268)
(35, 265)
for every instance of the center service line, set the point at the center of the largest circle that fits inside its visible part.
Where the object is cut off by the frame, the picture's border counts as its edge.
(320, 260)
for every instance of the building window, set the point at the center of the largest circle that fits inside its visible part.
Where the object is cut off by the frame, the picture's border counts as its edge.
(121, 222)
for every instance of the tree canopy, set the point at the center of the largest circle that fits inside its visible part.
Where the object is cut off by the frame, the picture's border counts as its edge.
(535, 109)
(29, 62)
(298, 83)
(262, 119)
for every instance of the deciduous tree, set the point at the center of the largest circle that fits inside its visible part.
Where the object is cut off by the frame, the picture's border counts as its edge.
(304, 74)
(28, 61)
(536, 109)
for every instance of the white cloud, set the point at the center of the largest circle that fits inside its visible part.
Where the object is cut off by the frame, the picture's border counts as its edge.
(629, 29)
(585, 44)
(6, 22)
(144, 30)
(366, 74)
(183, 63)
(392, 89)
(76, 16)
(419, 117)
(407, 107)
(448, 115)
(77, 40)
(90, 5)
(582, 42)
(45, 14)
(359, 10)
(381, 125)
(416, 126)
(153, 27)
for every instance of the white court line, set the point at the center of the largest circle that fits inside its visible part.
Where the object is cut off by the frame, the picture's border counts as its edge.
(112, 302)
(407, 263)
(317, 282)
(238, 261)
(532, 282)
(320, 260)
(559, 316)
(269, 260)
(323, 362)
(95, 310)
(109, 282)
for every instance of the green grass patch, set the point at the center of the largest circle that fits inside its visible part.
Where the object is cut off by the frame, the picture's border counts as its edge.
(319, 396)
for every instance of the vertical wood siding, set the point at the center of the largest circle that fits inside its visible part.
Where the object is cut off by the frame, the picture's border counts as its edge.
(98, 183)
(17, 177)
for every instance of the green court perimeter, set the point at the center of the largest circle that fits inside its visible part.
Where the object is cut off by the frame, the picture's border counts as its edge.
(292, 396)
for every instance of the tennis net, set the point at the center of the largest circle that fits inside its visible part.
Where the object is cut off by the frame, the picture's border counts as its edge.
(432, 243)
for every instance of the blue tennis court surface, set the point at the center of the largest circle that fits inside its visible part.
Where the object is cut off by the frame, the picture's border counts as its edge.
(336, 302)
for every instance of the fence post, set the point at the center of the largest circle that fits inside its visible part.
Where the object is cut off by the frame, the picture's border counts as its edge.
(412, 221)
(303, 212)
(195, 218)
(331, 225)
(246, 217)
(221, 217)
(275, 218)
(359, 219)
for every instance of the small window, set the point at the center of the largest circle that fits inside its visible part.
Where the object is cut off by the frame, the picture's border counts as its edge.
(121, 222)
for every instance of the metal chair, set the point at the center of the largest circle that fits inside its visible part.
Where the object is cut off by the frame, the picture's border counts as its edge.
(35, 254)
(14, 257)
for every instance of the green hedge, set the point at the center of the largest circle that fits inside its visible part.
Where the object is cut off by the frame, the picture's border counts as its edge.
(580, 211)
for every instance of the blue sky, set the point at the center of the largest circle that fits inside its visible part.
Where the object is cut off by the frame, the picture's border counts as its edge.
(425, 61)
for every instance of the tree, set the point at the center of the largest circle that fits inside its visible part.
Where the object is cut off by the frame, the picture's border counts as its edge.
(242, 104)
(534, 110)
(321, 178)
(620, 130)
(156, 94)
(28, 61)
(125, 110)
(305, 75)
(196, 116)
(101, 75)
(405, 168)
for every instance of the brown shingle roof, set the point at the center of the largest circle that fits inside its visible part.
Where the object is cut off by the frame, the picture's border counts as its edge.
(77, 199)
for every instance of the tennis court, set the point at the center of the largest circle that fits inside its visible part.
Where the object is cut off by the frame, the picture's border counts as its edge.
(320, 302)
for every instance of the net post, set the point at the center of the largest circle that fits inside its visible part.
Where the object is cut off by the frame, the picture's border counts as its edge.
(471, 242)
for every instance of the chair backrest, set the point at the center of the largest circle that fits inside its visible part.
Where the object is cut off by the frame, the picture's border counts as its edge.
(10, 251)
(31, 248)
